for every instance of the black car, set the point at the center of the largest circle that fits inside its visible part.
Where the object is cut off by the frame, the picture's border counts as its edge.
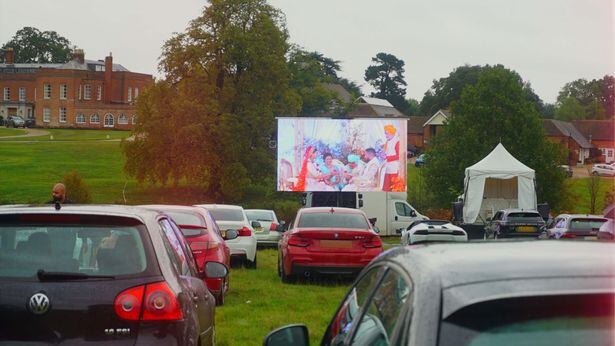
(484, 293)
(30, 122)
(515, 223)
(100, 274)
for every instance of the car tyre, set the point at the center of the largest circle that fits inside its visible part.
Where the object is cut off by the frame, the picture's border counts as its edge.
(220, 299)
(250, 264)
(287, 279)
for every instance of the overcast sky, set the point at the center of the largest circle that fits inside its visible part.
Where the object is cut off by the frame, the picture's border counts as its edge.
(548, 42)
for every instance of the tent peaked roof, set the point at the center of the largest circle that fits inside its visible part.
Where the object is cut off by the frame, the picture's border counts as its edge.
(499, 160)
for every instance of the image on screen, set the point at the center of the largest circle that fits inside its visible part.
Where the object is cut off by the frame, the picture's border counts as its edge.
(322, 154)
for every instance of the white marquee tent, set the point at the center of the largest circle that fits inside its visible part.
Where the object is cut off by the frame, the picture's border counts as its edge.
(498, 181)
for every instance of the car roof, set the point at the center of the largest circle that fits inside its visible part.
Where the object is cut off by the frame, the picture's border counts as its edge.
(328, 209)
(581, 216)
(265, 210)
(219, 206)
(90, 209)
(516, 210)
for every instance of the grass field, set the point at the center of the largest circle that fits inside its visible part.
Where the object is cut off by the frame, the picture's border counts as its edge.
(258, 302)
(73, 135)
(11, 132)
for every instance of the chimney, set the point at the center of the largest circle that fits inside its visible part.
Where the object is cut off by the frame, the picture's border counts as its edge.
(79, 55)
(9, 57)
(108, 74)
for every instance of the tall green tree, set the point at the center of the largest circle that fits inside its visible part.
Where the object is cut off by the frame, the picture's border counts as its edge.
(209, 121)
(570, 109)
(446, 90)
(596, 98)
(31, 45)
(493, 110)
(387, 77)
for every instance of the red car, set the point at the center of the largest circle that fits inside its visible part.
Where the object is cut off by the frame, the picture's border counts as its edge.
(327, 241)
(205, 239)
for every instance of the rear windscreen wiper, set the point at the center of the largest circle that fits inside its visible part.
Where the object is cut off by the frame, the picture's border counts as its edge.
(62, 276)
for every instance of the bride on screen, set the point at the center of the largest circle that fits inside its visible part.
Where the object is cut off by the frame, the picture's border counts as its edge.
(314, 177)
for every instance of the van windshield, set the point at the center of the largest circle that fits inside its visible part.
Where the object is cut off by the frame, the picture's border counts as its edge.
(92, 249)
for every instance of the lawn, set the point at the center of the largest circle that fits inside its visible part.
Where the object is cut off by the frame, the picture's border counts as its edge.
(258, 302)
(580, 196)
(11, 132)
(74, 135)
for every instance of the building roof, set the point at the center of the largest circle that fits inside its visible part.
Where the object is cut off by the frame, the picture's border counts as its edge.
(373, 107)
(71, 65)
(601, 130)
(344, 95)
(439, 118)
(415, 124)
(558, 128)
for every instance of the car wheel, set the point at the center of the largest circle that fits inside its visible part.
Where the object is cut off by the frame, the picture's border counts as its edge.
(287, 279)
(250, 264)
(220, 299)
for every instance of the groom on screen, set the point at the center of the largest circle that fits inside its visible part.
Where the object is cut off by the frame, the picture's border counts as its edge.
(391, 149)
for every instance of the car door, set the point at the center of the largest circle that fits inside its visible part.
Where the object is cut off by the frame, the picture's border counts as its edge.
(402, 216)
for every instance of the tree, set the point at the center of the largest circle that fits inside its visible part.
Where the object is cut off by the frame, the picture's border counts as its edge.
(495, 109)
(593, 187)
(569, 109)
(387, 77)
(209, 121)
(596, 98)
(31, 45)
(76, 189)
(445, 91)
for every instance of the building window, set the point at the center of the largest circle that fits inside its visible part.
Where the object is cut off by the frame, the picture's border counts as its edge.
(47, 91)
(46, 115)
(122, 119)
(94, 119)
(129, 94)
(80, 119)
(134, 119)
(7, 94)
(109, 121)
(136, 93)
(63, 91)
(99, 93)
(87, 92)
(22, 94)
(62, 114)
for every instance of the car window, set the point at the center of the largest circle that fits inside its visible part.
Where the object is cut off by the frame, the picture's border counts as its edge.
(560, 223)
(220, 214)
(186, 248)
(212, 224)
(174, 248)
(186, 218)
(523, 216)
(343, 321)
(382, 313)
(402, 209)
(84, 246)
(497, 216)
(333, 220)
(586, 224)
(258, 215)
(548, 320)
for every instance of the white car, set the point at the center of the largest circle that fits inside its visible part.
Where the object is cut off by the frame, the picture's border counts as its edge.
(603, 169)
(432, 230)
(234, 217)
(269, 233)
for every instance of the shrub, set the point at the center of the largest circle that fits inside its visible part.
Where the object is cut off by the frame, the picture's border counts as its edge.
(76, 189)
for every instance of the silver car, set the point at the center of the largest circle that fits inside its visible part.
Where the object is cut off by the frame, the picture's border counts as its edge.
(270, 231)
(576, 226)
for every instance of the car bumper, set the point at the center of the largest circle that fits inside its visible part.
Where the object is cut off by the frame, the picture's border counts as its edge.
(333, 263)
(268, 239)
(243, 246)
(308, 270)
(437, 237)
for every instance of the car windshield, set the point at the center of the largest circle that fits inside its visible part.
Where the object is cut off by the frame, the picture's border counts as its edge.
(586, 224)
(333, 220)
(220, 214)
(255, 215)
(523, 216)
(552, 320)
(84, 245)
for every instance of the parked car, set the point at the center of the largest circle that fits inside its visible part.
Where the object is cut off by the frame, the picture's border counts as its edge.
(327, 240)
(515, 223)
(576, 226)
(30, 122)
(206, 241)
(603, 170)
(15, 121)
(567, 169)
(432, 231)
(486, 293)
(420, 161)
(233, 217)
(271, 229)
(100, 274)
(2, 122)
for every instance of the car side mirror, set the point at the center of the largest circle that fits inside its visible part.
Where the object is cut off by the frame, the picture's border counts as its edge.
(215, 270)
(294, 334)
(412, 213)
(373, 221)
(281, 226)
(230, 234)
(256, 224)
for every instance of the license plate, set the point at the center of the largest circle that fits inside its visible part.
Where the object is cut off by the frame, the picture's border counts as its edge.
(339, 244)
(526, 229)
(591, 238)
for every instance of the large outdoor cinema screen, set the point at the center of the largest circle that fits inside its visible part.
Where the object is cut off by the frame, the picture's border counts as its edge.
(322, 154)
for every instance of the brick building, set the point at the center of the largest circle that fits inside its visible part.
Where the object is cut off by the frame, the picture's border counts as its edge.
(78, 94)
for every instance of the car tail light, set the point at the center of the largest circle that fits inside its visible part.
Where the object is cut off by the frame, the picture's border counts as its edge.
(244, 232)
(198, 247)
(373, 242)
(295, 240)
(568, 235)
(273, 227)
(151, 302)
